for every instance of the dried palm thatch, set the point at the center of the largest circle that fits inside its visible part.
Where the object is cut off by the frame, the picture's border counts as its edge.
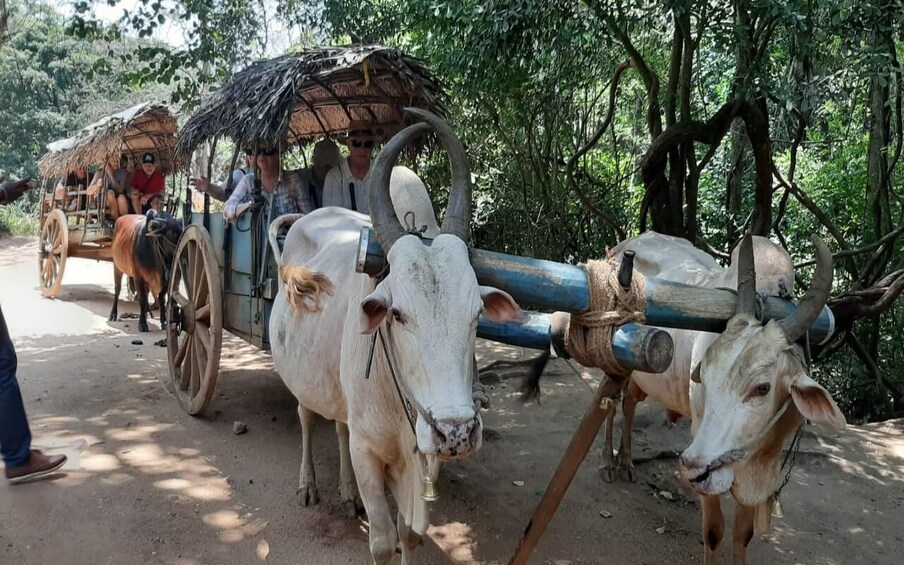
(145, 128)
(302, 96)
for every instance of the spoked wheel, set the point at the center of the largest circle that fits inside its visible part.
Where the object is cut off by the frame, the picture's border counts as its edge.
(195, 313)
(54, 244)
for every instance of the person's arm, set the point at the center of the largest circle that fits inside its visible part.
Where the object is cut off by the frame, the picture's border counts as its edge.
(203, 185)
(241, 194)
(156, 187)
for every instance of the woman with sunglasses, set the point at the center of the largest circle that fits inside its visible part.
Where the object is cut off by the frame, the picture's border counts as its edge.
(283, 190)
(345, 185)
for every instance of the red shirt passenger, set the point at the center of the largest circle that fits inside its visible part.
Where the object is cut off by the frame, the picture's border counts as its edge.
(147, 186)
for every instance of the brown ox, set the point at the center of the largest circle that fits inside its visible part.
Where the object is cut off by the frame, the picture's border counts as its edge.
(143, 248)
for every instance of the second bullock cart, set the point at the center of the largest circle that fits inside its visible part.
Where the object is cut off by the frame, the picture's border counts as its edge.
(72, 219)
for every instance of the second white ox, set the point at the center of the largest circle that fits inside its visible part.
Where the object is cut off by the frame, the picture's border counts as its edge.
(745, 390)
(426, 312)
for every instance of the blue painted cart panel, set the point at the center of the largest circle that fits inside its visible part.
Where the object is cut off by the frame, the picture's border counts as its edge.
(246, 311)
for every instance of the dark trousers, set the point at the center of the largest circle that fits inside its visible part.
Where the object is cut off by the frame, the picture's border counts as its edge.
(15, 437)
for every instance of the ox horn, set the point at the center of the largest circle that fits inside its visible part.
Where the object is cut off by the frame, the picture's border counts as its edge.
(746, 278)
(458, 211)
(809, 307)
(386, 224)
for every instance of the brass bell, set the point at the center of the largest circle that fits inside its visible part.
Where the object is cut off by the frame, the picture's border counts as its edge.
(777, 510)
(429, 492)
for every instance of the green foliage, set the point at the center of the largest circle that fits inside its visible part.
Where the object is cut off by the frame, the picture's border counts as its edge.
(52, 85)
(19, 218)
(529, 83)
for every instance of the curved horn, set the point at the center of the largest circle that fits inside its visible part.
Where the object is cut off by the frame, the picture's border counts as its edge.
(386, 224)
(458, 211)
(809, 307)
(746, 278)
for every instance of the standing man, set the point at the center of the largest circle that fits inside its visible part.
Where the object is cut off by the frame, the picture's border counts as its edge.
(346, 185)
(23, 463)
(148, 186)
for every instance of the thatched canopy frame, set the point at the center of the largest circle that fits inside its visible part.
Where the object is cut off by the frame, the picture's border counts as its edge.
(301, 97)
(145, 128)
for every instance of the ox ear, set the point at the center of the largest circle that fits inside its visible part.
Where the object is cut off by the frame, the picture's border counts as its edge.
(815, 403)
(499, 306)
(374, 308)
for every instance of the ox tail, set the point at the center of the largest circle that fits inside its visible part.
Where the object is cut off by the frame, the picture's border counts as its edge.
(273, 234)
(304, 287)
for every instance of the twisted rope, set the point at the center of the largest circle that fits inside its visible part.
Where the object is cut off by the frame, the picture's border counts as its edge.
(589, 335)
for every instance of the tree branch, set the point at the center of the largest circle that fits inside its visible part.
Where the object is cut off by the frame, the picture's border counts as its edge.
(890, 236)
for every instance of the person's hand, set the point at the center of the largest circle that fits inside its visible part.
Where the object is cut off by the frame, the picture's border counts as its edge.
(144, 200)
(134, 193)
(201, 184)
(108, 168)
(229, 213)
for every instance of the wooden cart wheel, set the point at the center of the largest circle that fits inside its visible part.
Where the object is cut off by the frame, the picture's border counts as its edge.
(54, 247)
(195, 313)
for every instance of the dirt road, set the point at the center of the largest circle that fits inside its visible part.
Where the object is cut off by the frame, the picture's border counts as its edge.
(148, 484)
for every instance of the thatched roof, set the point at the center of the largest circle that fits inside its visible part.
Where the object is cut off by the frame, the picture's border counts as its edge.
(303, 96)
(143, 128)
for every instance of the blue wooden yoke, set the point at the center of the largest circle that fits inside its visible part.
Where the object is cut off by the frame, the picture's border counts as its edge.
(550, 286)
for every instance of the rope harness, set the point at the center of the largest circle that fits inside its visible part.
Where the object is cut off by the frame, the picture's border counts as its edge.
(589, 335)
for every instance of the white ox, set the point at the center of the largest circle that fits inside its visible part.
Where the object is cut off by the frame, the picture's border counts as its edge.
(426, 309)
(746, 390)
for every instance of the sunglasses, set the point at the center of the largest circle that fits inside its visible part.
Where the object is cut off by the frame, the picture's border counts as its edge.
(357, 143)
(268, 151)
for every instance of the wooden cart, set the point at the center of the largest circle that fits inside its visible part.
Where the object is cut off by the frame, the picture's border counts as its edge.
(73, 222)
(223, 276)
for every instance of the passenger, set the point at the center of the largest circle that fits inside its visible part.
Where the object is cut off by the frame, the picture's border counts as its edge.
(76, 181)
(283, 190)
(202, 184)
(148, 186)
(326, 156)
(117, 187)
(345, 185)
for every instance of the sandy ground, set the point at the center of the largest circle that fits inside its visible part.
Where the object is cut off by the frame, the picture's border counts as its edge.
(148, 484)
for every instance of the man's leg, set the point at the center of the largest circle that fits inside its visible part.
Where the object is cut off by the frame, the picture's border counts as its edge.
(15, 437)
(23, 464)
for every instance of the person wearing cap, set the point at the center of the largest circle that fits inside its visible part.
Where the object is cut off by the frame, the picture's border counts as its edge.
(148, 186)
(283, 190)
(203, 185)
(346, 185)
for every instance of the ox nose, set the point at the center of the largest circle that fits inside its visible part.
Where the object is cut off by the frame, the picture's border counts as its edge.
(693, 469)
(456, 438)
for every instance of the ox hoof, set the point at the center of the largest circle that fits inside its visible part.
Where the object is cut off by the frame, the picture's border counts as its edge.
(608, 473)
(350, 508)
(143, 328)
(625, 473)
(113, 318)
(307, 496)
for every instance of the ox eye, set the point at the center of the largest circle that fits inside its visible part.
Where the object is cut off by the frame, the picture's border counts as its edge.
(398, 316)
(763, 389)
